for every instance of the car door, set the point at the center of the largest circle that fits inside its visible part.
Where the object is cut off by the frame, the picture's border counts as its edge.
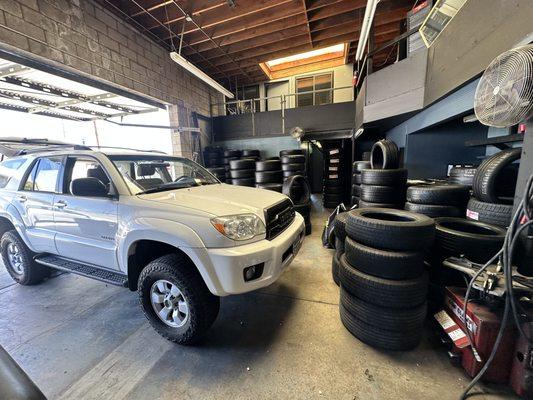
(35, 202)
(86, 226)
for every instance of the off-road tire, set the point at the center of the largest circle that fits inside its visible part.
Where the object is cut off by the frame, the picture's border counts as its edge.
(203, 306)
(32, 273)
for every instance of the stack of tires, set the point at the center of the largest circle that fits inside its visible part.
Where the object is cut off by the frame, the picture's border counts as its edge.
(297, 189)
(382, 277)
(213, 156)
(357, 168)
(494, 187)
(219, 172)
(462, 175)
(438, 200)
(339, 229)
(251, 154)
(230, 155)
(268, 175)
(384, 185)
(242, 172)
(292, 163)
(332, 193)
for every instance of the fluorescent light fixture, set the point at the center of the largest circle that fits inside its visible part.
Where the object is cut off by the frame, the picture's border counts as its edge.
(438, 19)
(370, 10)
(193, 69)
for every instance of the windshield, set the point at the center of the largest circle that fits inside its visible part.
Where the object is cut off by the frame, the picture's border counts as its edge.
(150, 174)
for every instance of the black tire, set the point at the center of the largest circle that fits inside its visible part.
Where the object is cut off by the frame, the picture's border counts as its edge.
(445, 195)
(384, 155)
(386, 318)
(288, 174)
(268, 165)
(335, 269)
(367, 204)
(293, 159)
(339, 226)
(358, 166)
(297, 188)
(357, 179)
(226, 160)
(462, 176)
(243, 182)
(490, 213)
(390, 229)
(242, 164)
(355, 201)
(291, 152)
(293, 167)
(28, 272)
(339, 246)
(383, 194)
(334, 189)
(434, 211)
(477, 241)
(384, 177)
(202, 305)
(276, 187)
(232, 153)
(485, 183)
(394, 265)
(379, 338)
(242, 173)
(251, 153)
(269, 177)
(407, 293)
(365, 156)
(356, 190)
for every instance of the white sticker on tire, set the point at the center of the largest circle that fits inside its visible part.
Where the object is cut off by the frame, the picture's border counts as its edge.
(472, 215)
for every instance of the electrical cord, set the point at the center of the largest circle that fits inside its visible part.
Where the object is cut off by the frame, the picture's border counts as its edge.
(522, 219)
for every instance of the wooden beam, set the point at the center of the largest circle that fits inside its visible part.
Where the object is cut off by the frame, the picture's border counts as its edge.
(336, 9)
(252, 33)
(254, 42)
(244, 23)
(226, 14)
(304, 6)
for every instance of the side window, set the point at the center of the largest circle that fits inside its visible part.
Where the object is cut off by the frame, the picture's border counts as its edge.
(44, 175)
(85, 167)
(8, 168)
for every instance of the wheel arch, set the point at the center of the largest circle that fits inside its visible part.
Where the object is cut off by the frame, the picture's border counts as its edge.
(143, 251)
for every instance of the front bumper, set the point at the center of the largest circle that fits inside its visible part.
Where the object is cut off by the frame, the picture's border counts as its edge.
(225, 266)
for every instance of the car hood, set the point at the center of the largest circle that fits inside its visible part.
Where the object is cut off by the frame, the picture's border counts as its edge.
(219, 199)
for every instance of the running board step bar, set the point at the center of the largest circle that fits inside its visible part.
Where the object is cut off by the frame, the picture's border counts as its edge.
(104, 275)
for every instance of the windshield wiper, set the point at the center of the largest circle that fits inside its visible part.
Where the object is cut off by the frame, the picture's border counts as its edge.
(167, 186)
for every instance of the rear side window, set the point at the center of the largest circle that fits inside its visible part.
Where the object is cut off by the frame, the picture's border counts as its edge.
(44, 175)
(8, 168)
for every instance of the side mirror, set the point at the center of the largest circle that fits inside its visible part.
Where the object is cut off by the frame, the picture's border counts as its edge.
(88, 187)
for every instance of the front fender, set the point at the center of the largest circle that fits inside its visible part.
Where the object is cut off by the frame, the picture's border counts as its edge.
(169, 232)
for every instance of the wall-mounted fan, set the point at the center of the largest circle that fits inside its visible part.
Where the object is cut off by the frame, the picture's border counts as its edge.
(504, 95)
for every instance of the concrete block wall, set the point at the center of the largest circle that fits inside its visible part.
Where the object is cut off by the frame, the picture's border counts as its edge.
(83, 35)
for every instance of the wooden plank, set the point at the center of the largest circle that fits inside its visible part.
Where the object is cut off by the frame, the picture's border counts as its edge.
(226, 14)
(303, 69)
(252, 33)
(253, 43)
(243, 23)
(336, 9)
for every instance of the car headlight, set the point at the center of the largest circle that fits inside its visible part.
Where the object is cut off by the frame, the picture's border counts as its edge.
(239, 227)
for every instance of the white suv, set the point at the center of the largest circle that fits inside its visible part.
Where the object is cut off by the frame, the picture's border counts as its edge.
(161, 225)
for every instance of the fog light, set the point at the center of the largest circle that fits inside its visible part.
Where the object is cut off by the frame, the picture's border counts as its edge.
(253, 272)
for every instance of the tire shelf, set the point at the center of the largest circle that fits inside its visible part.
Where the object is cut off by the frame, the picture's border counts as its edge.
(501, 142)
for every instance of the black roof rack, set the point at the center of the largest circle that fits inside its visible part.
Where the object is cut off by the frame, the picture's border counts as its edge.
(127, 148)
(11, 146)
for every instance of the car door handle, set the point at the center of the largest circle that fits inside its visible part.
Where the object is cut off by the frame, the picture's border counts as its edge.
(60, 204)
(22, 198)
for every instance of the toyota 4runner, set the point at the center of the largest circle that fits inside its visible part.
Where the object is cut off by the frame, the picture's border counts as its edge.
(161, 225)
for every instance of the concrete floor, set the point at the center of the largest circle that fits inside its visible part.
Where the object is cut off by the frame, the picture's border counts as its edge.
(81, 339)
